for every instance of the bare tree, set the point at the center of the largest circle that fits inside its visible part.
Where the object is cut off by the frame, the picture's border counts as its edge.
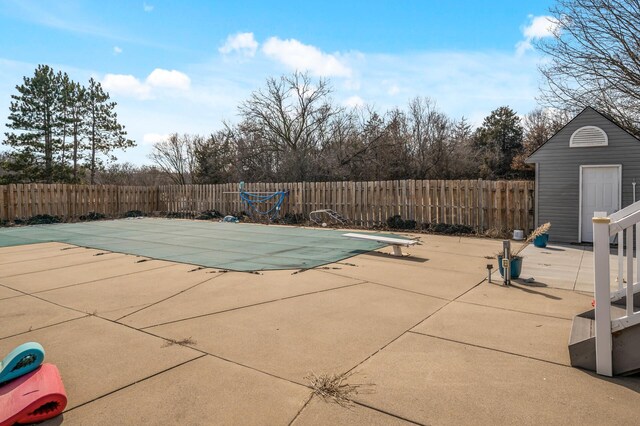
(350, 151)
(430, 132)
(538, 126)
(175, 157)
(130, 174)
(290, 118)
(464, 158)
(215, 157)
(595, 58)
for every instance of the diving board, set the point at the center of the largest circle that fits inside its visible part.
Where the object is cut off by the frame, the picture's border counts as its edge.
(397, 243)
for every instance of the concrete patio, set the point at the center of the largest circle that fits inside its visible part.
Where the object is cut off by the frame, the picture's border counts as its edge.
(424, 339)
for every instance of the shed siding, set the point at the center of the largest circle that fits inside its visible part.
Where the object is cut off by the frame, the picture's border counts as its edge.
(559, 172)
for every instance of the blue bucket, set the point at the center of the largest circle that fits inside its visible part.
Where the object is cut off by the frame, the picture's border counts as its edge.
(515, 266)
(541, 240)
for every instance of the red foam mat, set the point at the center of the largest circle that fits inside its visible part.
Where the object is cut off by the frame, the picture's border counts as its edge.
(34, 397)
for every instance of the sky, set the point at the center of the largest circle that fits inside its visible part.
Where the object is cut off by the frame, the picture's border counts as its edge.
(186, 66)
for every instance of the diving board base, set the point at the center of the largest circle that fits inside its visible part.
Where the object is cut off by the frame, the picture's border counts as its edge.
(397, 251)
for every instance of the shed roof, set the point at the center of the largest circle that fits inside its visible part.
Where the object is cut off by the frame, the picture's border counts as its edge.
(531, 158)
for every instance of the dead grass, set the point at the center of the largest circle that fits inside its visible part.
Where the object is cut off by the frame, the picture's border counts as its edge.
(332, 387)
(183, 342)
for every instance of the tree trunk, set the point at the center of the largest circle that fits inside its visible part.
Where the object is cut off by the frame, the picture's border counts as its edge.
(93, 151)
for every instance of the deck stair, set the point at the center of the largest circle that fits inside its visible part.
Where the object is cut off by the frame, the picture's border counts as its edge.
(607, 339)
(626, 342)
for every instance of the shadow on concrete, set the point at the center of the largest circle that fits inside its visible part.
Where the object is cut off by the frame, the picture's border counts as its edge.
(631, 382)
(521, 285)
(410, 258)
(56, 421)
(529, 282)
(554, 249)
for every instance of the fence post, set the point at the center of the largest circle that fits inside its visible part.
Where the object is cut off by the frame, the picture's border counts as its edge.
(603, 296)
(11, 199)
(481, 204)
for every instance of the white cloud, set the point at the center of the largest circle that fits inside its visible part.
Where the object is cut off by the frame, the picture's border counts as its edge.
(169, 79)
(126, 85)
(129, 86)
(304, 57)
(393, 90)
(354, 101)
(117, 50)
(147, 7)
(151, 138)
(539, 27)
(352, 84)
(243, 43)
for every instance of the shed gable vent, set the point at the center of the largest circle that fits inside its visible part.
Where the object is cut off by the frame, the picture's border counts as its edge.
(588, 136)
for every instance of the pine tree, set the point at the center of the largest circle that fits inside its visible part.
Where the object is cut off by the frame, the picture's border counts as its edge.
(56, 124)
(103, 130)
(78, 126)
(499, 139)
(62, 130)
(33, 119)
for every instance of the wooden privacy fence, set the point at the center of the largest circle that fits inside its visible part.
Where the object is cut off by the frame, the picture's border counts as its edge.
(24, 201)
(477, 203)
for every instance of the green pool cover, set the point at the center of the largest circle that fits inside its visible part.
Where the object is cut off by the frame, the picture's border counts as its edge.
(233, 246)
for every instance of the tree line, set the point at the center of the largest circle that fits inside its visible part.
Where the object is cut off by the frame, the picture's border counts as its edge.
(60, 130)
(290, 131)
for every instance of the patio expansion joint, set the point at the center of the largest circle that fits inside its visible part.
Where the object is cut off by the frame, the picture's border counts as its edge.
(254, 304)
(306, 403)
(85, 314)
(136, 382)
(43, 327)
(490, 349)
(169, 297)
(361, 404)
(96, 281)
(10, 297)
(575, 282)
(64, 253)
(388, 413)
(202, 352)
(390, 286)
(412, 327)
(515, 310)
(60, 267)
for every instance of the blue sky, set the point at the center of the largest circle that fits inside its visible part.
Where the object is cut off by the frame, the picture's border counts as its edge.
(185, 66)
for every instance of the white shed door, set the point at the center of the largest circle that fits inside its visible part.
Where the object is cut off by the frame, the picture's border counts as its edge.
(600, 192)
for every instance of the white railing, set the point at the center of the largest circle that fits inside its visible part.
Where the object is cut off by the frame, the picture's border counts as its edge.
(620, 224)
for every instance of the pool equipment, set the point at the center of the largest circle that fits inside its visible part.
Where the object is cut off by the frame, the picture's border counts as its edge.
(254, 199)
(22, 360)
(324, 217)
(33, 397)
